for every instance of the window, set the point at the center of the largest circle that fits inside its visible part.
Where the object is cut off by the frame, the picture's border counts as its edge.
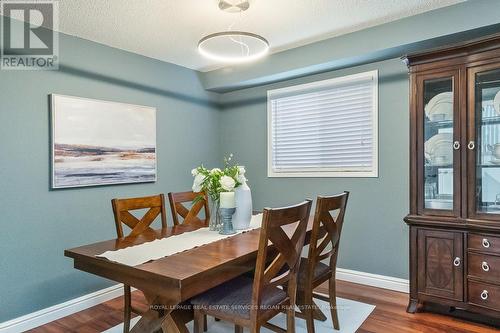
(324, 129)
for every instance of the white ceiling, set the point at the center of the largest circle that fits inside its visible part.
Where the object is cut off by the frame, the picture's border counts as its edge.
(169, 30)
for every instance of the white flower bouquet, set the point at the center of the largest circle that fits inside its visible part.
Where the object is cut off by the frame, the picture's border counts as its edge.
(214, 181)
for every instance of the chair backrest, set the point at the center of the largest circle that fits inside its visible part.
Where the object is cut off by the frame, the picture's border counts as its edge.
(278, 265)
(122, 208)
(326, 231)
(190, 216)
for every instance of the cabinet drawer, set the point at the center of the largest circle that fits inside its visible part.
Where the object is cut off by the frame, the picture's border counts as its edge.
(484, 294)
(484, 267)
(484, 243)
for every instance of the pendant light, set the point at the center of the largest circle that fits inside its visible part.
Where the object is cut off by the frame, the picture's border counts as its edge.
(233, 46)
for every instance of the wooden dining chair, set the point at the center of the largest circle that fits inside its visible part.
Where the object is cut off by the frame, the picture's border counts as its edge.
(121, 210)
(324, 244)
(122, 207)
(189, 215)
(251, 303)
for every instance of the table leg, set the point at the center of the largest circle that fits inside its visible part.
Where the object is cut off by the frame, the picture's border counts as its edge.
(160, 318)
(150, 322)
(173, 325)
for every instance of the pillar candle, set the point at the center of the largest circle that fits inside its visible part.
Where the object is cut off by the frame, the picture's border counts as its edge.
(227, 200)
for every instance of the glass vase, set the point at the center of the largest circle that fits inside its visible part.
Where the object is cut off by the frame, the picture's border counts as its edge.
(215, 222)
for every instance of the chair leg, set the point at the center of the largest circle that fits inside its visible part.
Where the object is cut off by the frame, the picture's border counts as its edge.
(198, 321)
(309, 310)
(255, 329)
(290, 319)
(238, 329)
(333, 302)
(127, 308)
(205, 323)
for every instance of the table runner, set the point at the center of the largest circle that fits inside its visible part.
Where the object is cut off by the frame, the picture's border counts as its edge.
(159, 248)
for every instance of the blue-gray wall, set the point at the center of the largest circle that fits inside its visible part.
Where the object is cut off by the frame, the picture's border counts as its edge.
(37, 224)
(374, 239)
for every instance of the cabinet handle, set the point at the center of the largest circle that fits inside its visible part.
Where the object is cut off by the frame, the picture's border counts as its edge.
(457, 262)
(486, 243)
(485, 266)
(471, 145)
(484, 295)
(456, 145)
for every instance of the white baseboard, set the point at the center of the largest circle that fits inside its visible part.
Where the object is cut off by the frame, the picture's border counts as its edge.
(374, 280)
(55, 312)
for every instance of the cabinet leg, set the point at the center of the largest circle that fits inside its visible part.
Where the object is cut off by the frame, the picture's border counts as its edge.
(412, 306)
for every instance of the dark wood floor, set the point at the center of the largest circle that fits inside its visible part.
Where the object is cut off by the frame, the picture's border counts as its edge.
(389, 315)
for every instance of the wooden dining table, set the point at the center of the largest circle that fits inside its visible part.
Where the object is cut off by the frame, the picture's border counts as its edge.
(169, 281)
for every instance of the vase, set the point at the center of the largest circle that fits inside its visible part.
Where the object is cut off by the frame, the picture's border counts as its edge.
(214, 223)
(243, 214)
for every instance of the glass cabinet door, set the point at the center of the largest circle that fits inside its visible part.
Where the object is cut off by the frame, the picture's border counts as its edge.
(439, 145)
(484, 147)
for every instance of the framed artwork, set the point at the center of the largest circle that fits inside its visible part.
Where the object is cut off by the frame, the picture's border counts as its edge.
(101, 143)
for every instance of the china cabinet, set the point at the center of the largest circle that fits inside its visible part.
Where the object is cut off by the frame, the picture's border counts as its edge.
(454, 214)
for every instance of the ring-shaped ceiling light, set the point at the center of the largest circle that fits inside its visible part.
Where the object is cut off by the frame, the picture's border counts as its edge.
(233, 46)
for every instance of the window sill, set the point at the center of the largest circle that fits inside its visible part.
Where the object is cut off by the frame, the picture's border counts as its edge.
(331, 174)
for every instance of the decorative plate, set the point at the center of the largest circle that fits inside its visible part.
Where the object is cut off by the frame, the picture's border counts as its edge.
(440, 107)
(496, 103)
(495, 160)
(439, 149)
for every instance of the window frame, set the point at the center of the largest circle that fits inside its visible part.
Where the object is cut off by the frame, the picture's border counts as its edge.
(325, 172)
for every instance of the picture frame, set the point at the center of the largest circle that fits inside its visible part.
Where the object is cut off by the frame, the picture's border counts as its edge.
(97, 142)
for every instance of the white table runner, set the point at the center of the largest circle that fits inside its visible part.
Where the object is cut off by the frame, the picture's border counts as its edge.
(159, 248)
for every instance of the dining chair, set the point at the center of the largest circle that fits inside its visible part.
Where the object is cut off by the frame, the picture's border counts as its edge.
(122, 211)
(189, 215)
(324, 245)
(248, 302)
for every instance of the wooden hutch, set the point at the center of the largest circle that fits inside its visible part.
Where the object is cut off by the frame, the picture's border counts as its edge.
(455, 177)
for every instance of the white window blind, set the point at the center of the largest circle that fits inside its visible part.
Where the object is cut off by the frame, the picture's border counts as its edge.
(324, 129)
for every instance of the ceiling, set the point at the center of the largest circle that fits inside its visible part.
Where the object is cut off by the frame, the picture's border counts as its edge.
(169, 30)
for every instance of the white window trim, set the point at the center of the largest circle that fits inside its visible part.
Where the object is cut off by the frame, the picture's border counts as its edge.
(325, 173)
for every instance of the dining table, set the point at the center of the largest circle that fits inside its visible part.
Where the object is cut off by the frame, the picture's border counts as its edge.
(172, 280)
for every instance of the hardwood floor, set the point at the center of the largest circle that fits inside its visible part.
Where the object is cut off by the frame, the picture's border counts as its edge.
(389, 315)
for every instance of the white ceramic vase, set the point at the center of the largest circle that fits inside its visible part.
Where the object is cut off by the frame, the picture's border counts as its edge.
(243, 214)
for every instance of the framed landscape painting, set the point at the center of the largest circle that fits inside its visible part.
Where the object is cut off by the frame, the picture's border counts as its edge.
(101, 143)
